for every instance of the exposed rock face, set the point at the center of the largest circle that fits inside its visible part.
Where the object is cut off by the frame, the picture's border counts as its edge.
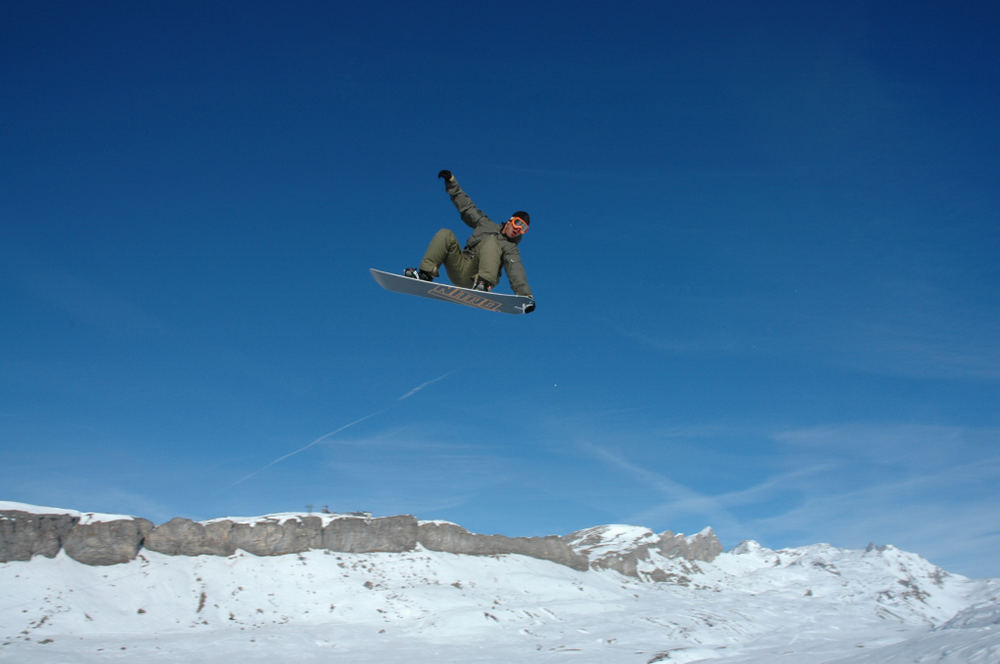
(24, 534)
(639, 552)
(274, 538)
(184, 537)
(455, 539)
(354, 535)
(106, 542)
(704, 546)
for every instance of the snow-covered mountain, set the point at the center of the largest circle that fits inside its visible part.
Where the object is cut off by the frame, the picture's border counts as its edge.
(751, 604)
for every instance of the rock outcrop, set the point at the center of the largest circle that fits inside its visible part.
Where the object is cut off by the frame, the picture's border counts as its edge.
(275, 538)
(26, 534)
(437, 536)
(106, 542)
(641, 553)
(184, 537)
(106, 539)
(367, 535)
(704, 546)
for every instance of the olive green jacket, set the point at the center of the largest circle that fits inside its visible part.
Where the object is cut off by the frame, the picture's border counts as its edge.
(483, 226)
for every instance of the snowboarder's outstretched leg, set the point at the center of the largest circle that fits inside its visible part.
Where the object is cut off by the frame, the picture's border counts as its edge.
(445, 249)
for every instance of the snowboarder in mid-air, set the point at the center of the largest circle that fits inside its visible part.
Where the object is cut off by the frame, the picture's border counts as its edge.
(491, 248)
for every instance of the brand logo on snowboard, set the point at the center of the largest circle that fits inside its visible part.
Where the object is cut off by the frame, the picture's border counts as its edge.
(463, 296)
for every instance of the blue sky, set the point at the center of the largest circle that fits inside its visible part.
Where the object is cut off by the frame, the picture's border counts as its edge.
(764, 250)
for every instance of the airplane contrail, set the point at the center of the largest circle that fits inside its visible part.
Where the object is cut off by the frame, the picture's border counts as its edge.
(336, 431)
(306, 447)
(423, 385)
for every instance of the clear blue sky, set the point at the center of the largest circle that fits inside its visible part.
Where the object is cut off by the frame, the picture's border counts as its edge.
(764, 249)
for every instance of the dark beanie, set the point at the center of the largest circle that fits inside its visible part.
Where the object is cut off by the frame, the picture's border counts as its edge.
(523, 215)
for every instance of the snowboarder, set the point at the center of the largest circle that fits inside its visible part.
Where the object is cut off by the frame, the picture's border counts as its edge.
(491, 248)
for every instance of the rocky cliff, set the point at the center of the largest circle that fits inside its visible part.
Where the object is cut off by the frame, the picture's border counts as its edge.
(639, 552)
(96, 539)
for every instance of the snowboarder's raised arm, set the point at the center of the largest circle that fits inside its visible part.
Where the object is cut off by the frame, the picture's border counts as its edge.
(471, 215)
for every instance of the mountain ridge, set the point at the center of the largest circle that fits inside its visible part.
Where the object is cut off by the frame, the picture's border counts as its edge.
(109, 539)
(808, 605)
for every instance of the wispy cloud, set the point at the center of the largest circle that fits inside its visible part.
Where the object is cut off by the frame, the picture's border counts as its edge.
(724, 511)
(683, 499)
(931, 489)
(774, 484)
(929, 333)
(672, 345)
(902, 445)
(924, 334)
(948, 515)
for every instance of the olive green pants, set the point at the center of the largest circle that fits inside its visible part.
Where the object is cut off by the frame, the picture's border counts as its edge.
(463, 268)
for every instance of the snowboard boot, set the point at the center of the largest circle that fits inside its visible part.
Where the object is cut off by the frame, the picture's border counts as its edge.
(418, 274)
(482, 285)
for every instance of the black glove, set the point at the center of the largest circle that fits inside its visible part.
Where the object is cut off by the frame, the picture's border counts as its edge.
(529, 307)
(446, 175)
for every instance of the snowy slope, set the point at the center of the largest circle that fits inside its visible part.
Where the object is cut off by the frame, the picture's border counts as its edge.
(804, 605)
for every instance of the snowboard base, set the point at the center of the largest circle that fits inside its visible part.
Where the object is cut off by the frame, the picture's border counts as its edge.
(490, 301)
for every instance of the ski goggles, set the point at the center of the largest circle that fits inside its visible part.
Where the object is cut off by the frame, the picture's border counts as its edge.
(518, 226)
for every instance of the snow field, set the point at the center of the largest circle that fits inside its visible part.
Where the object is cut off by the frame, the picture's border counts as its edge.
(809, 605)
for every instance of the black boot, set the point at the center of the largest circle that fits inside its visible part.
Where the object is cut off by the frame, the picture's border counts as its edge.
(418, 274)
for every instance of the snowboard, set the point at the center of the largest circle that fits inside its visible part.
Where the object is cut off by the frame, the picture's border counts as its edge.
(490, 301)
